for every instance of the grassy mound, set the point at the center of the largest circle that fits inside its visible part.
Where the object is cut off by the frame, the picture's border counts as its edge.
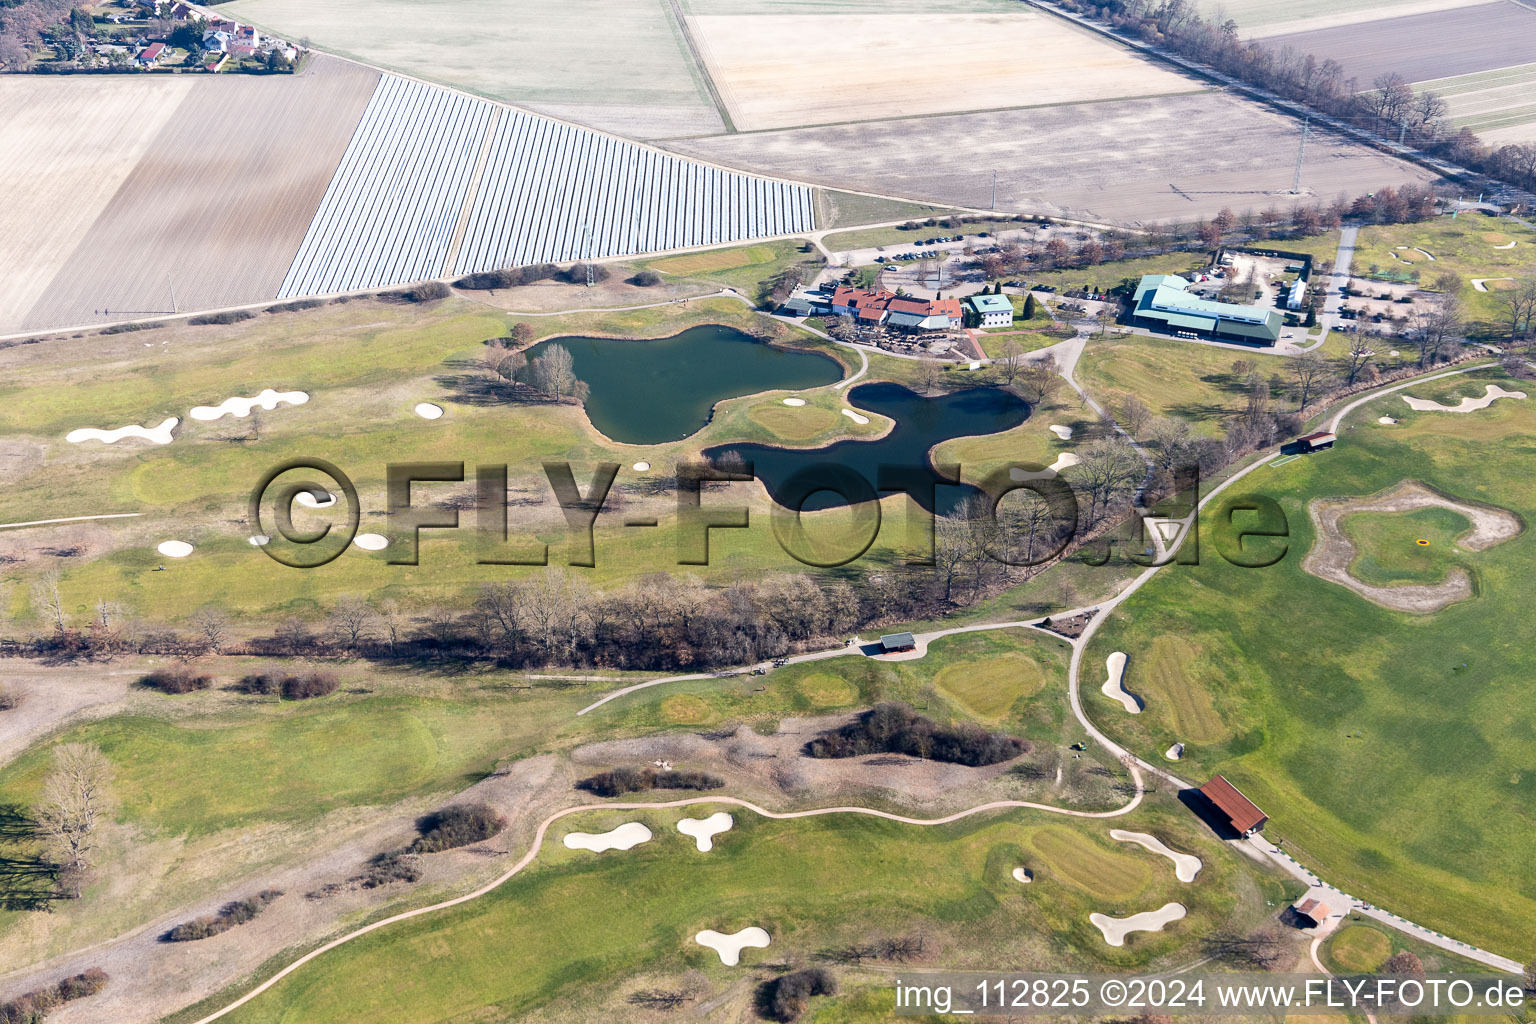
(1169, 678)
(989, 688)
(793, 423)
(1388, 550)
(1104, 874)
(685, 709)
(825, 690)
(1358, 948)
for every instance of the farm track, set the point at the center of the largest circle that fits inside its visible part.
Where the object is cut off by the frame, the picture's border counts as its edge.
(214, 210)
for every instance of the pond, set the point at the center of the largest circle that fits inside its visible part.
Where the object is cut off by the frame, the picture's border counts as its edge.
(651, 392)
(921, 423)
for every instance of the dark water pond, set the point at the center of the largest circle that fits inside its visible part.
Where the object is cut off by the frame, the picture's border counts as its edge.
(650, 392)
(921, 423)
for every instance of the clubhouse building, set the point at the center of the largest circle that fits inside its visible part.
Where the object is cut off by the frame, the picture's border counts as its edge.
(1164, 303)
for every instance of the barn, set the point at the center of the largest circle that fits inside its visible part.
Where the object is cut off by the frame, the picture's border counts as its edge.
(1241, 813)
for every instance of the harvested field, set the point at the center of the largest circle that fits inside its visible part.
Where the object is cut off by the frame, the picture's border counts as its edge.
(1333, 553)
(617, 65)
(1103, 161)
(1437, 44)
(1257, 19)
(1499, 105)
(769, 78)
(57, 182)
(215, 208)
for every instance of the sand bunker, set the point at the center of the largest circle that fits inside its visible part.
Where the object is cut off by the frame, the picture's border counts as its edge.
(1426, 252)
(1507, 245)
(371, 541)
(1065, 433)
(1388, 420)
(174, 548)
(704, 830)
(1063, 460)
(1469, 404)
(428, 411)
(642, 467)
(259, 540)
(794, 401)
(1333, 551)
(730, 946)
(860, 420)
(308, 500)
(1112, 687)
(1185, 866)
(1175, 752)
(159, 435)
(1481, 283)
(626, 836)
(1394, 353)
(1115, 929)
(1022, 875)
(267, 400)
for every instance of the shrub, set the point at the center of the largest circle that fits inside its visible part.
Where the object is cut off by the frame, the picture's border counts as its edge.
(511, 277)
(129, 328)
(894, 728)
(176, 680)
(646, 279)
(8, 698)
(32, 1007)
(577, 274)
(786, 997)
(387, 868)
(264, 683)
(314, 684)
(230, 915)
(459, 825)
(232, 316)
(618, 781)
(427, 291)
(295, 306)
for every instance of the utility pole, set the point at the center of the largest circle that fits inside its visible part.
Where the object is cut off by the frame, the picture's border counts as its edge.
(172, 287)
(591, 270)
(1301, 154)
(994, 190)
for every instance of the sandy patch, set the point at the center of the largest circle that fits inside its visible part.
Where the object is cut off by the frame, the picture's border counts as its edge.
(371, 541)
(642, 467)
(625, 837)
(730, 946)
(1507, 245)
(1426, 252)
(428, 411)
(268, 400)
(1185, 866)
(1469, 404)
(860, 420)
(772, 74)
(1114, 688)
(1333, 551)
(1022, 875)
(704, 830)
(1063, 460)
(1065, 433)
(174, 548)
(1175, 752)
(259, 540)
(794, 401)
(1115, 929)
(1385, 420)
(1481, 283)
(1394, 353)
(158, 435)
(308, 500)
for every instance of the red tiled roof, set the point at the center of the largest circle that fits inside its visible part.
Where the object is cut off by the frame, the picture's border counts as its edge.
(1313, 909)
(152, 51)
(1242, 812)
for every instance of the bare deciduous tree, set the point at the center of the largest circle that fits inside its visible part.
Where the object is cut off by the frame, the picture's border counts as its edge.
(75, 798)
(1360, 353)
(1109, 467)
(929, 372)
(1437, 328)
(1309, 375)
(212, 626)
(1039, 380)
(353, 622)
(1134, 415)
(46, 595)
(1010, 362)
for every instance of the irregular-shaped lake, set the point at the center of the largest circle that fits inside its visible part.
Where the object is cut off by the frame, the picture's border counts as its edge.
(651, 392)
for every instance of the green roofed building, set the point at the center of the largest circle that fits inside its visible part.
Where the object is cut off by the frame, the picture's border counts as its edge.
(1163, 302)
(992, 310)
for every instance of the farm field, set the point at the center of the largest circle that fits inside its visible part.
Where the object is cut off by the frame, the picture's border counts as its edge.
(436, 182)
(1389, 748)
(769, 78)
(55, 182)
(616, 65)
(1101, 161)
(1258, 19)
(1436, 44)
(211, 222)
(1499, 105)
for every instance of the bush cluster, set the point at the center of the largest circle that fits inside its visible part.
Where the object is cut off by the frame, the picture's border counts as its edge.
(296, 306)
(32, 1007)
(894, 728)
(176, 680)
(512, 277)
(459, 825)
(232, 316)
(387, 868)
(786, 997)
(8, 698)
(427, 291)
(618, 781)
(230, 915)
(291, 687)
(130, 328)
(646, 279)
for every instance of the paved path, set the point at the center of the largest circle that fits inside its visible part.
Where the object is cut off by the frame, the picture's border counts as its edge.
(544, 826)
(69, 519)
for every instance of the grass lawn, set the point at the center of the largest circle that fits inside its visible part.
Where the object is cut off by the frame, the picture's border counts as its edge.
(1109, 275)
(1175, 378)
(835, 209)
(743, 267)
(1464, 246)
(1407, 547)
(871, 878)
(1391, 751)
(994, 341)
(869, 238)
